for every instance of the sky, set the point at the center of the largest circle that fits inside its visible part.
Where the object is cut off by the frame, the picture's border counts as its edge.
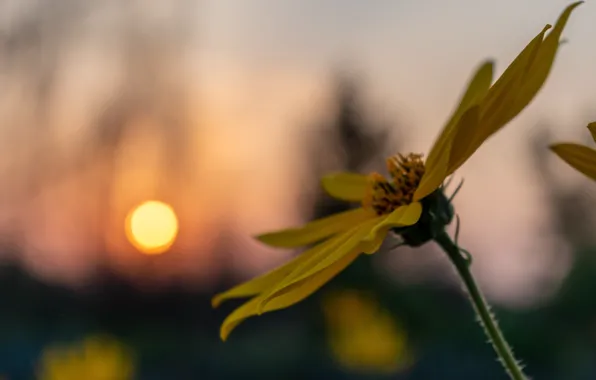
(260, 71)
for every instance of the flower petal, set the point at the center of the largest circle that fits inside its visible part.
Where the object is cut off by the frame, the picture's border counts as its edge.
(403, 216)
(464, 138)
(316, 230)
(541, 65)
(300, 290)
(512, 92)
(286, 298)
(476, 90)
(372, 246)
(248, 309)
(592, 129)
(436, 162)
(346, 243)
(499, 97)
(502, 94)
(578, 156)
(269, 282)
(345, 186)
(265, 281)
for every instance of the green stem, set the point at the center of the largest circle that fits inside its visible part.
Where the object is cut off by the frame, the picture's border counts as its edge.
(482, 309)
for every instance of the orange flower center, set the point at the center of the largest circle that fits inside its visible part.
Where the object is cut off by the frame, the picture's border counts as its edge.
(383, 196)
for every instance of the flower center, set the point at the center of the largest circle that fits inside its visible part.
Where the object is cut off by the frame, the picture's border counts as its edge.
(383, 196)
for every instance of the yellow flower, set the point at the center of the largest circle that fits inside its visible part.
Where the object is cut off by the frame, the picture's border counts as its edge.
(362, 336)
(410, 197)
(580, 157)
(96, 358)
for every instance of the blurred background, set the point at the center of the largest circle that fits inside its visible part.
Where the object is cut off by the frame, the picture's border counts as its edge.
(145, 142)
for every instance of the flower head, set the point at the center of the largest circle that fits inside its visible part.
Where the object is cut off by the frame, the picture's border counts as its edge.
(410, 200)
(580, 157)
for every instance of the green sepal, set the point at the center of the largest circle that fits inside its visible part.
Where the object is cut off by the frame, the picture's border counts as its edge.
(437, 212)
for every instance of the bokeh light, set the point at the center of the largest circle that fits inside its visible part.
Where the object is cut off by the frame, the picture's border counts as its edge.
(152, 227)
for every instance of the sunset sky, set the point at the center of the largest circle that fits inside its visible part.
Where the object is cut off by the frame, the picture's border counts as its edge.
(257, 74)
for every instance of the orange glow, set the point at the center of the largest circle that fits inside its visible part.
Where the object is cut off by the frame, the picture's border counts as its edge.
(152, 227)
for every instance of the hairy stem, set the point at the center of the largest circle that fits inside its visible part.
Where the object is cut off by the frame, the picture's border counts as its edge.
(485, 317)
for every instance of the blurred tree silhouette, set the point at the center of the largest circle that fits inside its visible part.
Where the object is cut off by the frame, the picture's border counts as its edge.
(355, 140)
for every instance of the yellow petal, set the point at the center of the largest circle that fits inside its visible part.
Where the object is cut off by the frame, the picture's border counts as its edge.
(499, 98)
(464, 133)
(247, 310)
(437, 160)
(503, 92)
(464, 138)
(316, 230)
(512, 92)
(579, 157)
(371, 246)
(475, 92)
(319, 252)
(288, 297)
(346, 243)
(401, 217)
(349, 187)
(592, 129)
(539, 68)
(300, 290)
(266, 281)
(301, 263)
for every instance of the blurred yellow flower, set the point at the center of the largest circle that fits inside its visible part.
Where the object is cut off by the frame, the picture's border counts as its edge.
(412, 196)
(364, 337)
(96, 358)
(580, 157)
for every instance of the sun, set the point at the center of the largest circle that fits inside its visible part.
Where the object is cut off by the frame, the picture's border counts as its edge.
(152, 227)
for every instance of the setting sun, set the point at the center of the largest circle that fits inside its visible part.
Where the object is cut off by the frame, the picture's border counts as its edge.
(152, 227)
